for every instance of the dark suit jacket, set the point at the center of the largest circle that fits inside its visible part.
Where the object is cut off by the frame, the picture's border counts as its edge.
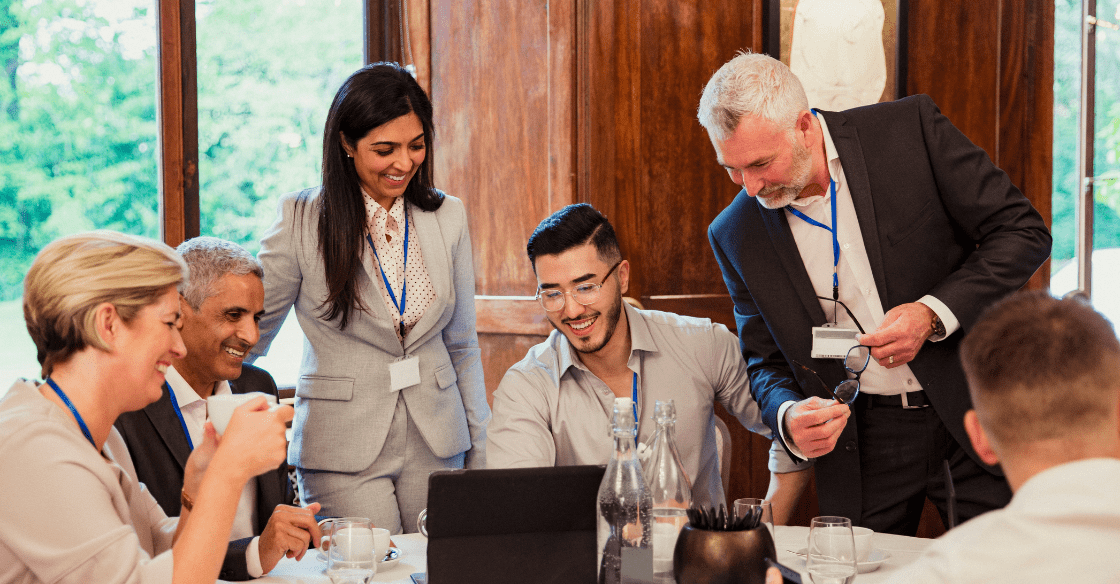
(159, 452)
(937, 217)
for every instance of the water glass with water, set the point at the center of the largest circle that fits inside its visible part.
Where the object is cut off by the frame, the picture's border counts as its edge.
(831, 553)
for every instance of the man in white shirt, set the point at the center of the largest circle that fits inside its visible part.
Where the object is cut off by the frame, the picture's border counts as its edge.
(1044, 375)
(221, 305)
(553, 408)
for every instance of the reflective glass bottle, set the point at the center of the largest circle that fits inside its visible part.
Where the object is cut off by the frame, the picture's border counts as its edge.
(624, 502)
(670, 489)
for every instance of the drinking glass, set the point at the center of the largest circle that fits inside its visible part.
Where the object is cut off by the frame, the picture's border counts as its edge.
(351, 558)
(831, 554)
(743, 507)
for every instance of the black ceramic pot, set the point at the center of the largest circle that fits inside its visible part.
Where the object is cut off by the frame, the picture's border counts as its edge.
(722, 557)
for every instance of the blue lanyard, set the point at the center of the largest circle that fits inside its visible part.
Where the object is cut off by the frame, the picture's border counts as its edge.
(73, 410)
(404, 281)
(179, 414)
(832, 230)
(634, 402)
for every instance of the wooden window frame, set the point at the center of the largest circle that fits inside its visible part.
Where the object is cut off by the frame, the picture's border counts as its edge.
(178, 103)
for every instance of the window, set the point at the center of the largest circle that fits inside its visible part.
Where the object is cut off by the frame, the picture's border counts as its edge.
(262, 103)
(1106, 159)
(78, 117)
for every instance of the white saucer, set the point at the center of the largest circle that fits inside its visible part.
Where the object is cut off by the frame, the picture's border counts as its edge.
(872, 563)
(392, 558)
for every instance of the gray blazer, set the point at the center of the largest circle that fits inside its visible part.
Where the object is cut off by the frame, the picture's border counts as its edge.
(344, 404)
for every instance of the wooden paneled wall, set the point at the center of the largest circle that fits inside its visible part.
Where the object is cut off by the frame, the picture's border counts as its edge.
(544, 103)
(990, 67)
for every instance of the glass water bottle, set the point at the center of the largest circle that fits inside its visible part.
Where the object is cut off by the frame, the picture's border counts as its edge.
(624, 502)
(670, 489)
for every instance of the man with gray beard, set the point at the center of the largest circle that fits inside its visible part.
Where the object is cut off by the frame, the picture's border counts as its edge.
(857, 237)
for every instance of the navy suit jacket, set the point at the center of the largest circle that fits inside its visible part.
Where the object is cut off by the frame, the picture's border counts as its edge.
(159, 451)
(937, 217)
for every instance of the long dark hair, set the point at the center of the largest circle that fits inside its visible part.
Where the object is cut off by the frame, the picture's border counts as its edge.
(374, 95)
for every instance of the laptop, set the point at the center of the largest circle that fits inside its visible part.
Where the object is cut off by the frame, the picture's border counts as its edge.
(513, 525)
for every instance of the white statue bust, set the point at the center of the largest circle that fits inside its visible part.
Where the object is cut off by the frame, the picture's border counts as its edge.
(837, 52)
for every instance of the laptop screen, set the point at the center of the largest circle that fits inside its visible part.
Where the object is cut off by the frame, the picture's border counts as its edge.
(513, 525)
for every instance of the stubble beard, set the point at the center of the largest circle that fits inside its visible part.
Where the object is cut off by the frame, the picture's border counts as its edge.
(612, 316)
(780, 196)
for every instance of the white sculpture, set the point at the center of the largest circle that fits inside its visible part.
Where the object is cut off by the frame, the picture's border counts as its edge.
(837, 52)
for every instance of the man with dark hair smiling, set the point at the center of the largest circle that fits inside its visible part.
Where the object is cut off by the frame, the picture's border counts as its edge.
(553, 407)
(221, 303)
(1043, 377)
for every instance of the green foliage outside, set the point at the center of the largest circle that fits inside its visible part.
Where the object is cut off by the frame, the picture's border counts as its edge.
(1067, 90)
(267, 72)
(78, 130)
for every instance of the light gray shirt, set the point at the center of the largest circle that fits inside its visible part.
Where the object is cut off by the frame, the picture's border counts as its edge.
(550, 410)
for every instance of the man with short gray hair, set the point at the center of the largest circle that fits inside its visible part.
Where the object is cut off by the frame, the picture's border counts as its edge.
(221, 303)
(880, 227)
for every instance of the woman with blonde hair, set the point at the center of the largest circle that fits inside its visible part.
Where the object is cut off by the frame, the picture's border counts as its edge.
(103, 310)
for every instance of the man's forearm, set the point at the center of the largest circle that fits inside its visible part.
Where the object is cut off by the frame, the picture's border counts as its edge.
(785, 493)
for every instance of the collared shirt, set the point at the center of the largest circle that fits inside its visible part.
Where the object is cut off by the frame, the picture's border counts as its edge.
(390, 253)
(550, 410)
(1062, 525)
(194, 415)
(857, 284)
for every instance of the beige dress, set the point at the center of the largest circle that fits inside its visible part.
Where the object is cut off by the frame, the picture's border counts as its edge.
(68, 514)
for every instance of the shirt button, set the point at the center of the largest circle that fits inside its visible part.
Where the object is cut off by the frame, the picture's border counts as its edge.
(847, 246)
(909, 382)
(850, 446)
(867, 291)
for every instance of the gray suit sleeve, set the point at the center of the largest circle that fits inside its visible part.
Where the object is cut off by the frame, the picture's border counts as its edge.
(461, 339)
(282, 274)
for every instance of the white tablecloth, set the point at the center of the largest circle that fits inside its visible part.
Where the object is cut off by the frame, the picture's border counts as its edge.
(310, 570)
(902, 550)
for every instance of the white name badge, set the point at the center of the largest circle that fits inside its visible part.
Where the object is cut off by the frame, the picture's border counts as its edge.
(830, 342)
(404, 372)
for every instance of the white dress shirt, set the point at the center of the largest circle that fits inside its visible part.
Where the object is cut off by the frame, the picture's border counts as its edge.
(857, 283)
(1062, 525)
(193, 409)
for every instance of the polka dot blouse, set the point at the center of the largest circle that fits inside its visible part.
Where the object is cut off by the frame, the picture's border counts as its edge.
(387, 230)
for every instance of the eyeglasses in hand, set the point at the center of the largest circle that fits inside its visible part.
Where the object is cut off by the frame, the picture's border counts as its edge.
(855, 362)
(586, 293)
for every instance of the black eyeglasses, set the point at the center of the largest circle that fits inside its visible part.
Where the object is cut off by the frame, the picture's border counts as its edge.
(855, 362)
(586, 293)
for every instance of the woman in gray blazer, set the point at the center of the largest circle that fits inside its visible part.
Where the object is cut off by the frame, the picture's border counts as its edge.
(378, 266)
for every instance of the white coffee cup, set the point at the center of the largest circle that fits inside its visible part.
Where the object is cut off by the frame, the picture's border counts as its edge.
(380, 543)
(862, 536)
(358, 544)
(219, 408)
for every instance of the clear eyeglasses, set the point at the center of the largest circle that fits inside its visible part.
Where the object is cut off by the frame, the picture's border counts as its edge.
(855, 362)
(586, 293)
